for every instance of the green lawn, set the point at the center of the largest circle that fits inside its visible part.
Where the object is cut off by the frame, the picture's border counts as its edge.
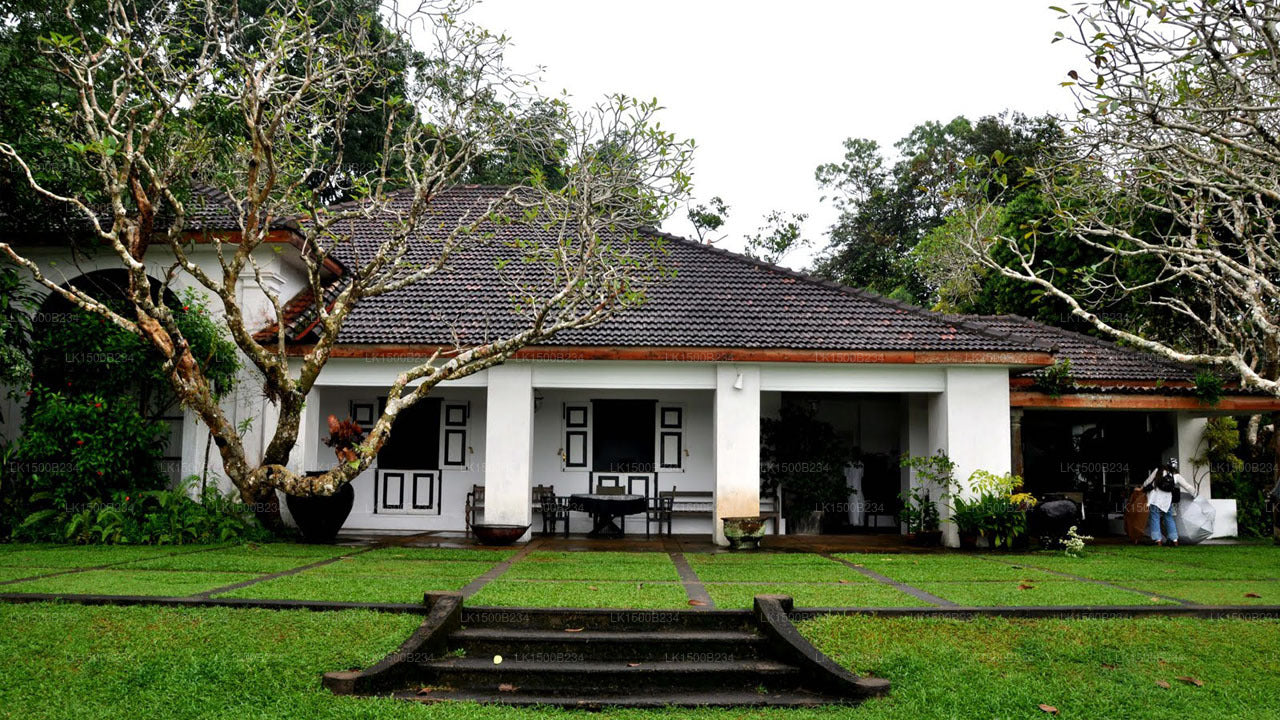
(130, 582)
(71, 662)
(594, 566)
(923, 568)
(1049, 592)
(771, 568)
(591, 594)
(814, 595)
(1200, 574)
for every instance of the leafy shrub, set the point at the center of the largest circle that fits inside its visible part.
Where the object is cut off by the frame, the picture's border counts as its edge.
(995, 511)
(80, 448)
(92, 424)
(919, 511)
(152, 517)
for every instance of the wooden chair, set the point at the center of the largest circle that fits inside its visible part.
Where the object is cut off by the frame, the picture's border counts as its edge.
(474, 506)
(612, 485)
(554, 510)
(660, 511)
(539, 491)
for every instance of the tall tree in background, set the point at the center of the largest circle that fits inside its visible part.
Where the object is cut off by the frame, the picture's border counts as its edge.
(255, 101)
(887, 210)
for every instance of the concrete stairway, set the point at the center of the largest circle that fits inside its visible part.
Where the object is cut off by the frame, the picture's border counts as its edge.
(603, 658)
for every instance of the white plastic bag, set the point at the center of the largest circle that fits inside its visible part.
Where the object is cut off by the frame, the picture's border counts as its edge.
(1194, 520)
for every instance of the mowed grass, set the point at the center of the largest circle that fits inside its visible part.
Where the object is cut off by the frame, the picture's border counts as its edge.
(771, 568)
(914, 568)
(1050, 592)
(589, 594)
(606, 566)
(68, 662)
(377, 576)
(130, 582)
(1221, 592)
(1001, 668)
(814, 595)
(1229, 575)
(85, 556)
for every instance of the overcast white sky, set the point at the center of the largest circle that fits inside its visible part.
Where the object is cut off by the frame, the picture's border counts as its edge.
(770, 90)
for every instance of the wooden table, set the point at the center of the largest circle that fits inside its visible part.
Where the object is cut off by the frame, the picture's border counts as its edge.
(605, 509)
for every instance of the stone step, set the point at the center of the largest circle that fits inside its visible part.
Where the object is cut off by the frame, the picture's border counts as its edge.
(606, 620)
(640, 698)
(614, 677)
(687, 645)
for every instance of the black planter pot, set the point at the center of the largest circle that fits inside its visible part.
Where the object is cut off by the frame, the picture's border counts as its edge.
(320, 517)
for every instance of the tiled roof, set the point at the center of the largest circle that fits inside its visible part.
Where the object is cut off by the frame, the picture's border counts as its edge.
(715, 299)
(300, 313)
(1093, 358)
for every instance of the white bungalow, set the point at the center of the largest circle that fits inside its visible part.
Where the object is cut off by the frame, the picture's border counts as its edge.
(671, 394)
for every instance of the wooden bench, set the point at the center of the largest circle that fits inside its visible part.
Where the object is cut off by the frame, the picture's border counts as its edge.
(700, 503)
(692, 503)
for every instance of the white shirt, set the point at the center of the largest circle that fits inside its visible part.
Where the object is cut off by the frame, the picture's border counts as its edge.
(1162, 498)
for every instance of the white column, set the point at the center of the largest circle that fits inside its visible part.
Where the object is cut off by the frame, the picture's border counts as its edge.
(737, 445)
(1189, 433)
(305, 455)
(916, 435)
(508, 438)
(970, 422)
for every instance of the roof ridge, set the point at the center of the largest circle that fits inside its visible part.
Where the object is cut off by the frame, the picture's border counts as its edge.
(957, 320)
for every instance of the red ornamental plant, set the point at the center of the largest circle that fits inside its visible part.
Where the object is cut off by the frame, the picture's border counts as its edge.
(344, 435)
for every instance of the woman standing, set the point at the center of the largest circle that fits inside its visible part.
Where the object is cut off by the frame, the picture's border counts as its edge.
(1164, 488)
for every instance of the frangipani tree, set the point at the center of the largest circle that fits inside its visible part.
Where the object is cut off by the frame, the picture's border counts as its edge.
(258, 105)
(1170, 180)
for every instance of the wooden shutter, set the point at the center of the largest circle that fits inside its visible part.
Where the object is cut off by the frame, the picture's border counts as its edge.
(454, 450)
(671, 424)
(577, 437)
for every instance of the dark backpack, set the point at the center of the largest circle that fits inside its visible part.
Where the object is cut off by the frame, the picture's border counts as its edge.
(1164, 481)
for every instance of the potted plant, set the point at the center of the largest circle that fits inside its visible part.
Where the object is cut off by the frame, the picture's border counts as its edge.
(743, 533)
(320, 517)
(805, 458)
(933, 473)
(920, 515)
(996, 512)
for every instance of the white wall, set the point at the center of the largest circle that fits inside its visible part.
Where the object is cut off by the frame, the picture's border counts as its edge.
(455, 483)
(246, 403)
(970, 421)
(737, 445)
(1189, 434)
(508, 458)
(699, 462)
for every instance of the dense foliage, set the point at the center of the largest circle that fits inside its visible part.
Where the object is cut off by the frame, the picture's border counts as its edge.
(886, 210)
(93, 424)
(147, 517)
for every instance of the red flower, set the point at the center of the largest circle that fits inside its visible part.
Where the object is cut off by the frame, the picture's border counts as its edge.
(79, 442)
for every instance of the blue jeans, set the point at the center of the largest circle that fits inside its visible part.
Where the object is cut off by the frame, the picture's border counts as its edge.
(1155, 516)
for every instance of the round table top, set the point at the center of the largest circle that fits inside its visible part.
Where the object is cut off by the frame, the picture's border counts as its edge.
(614, 504)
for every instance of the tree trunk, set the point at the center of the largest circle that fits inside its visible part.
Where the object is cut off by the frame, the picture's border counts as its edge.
(266, 507)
